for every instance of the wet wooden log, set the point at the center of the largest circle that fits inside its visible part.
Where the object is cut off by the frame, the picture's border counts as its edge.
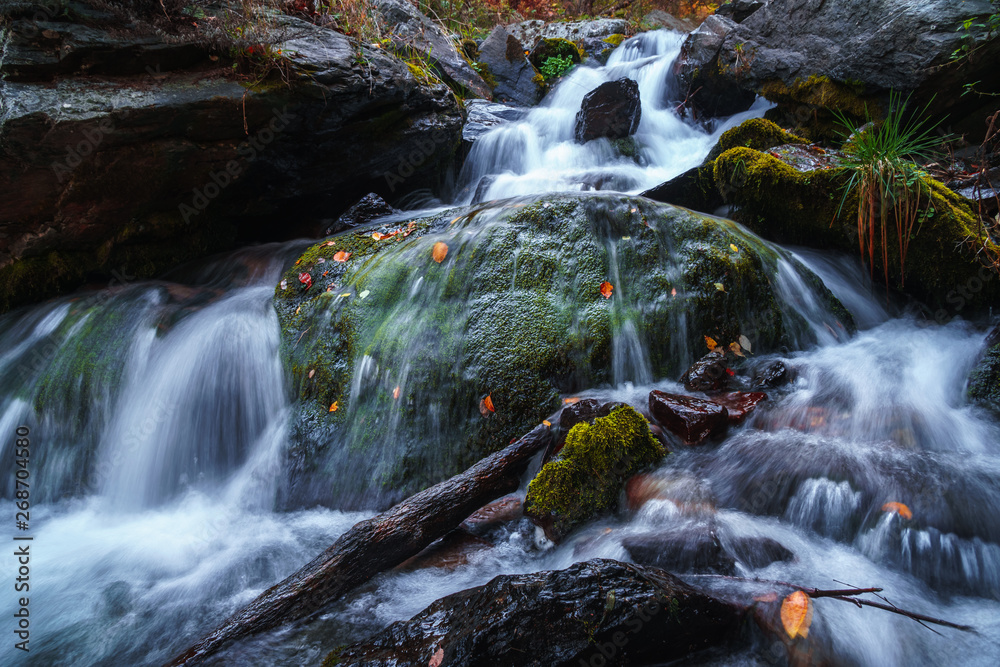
(377, 544)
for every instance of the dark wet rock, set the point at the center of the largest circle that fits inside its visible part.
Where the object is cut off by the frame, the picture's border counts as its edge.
(814, 54)
(693, 420)
(369, 208)
(530, 32)
(585, 613)
(514, 311)
(139, 172)
(757, 552)
(984, 380)
(694, 189)
(583, 411)
(661, 19)
(589, 474)
(739, 404)
(409, 29)
(696, 68)
(483, 115)
(689, 549)
(774, 374)
(740, 10)
(497, 513)
(710, 373)
(611, 110)
(511, 76)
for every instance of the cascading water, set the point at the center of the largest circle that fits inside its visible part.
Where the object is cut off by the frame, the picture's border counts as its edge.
(539, 154)
(159, 414)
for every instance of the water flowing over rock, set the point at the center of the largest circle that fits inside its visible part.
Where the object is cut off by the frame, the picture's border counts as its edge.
(392, 353)
(483, 115)
(135, 171)
(600, 609)
(612, 110)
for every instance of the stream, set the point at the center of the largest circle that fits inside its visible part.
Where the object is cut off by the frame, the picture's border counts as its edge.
(159, 415)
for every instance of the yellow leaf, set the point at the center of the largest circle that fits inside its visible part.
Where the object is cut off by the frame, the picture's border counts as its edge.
(333, 407)
(796, 614)
(899, 508)
(735, 348)
(378, 236)
(547, 423)
(439, 252)
(732, 246)
(344, 294)
(455, 220)
(720, 287)
(606, 289)
(364, 294)
(710, 342)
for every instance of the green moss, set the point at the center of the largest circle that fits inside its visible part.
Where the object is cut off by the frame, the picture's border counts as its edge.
(755, 133)
(540, 84)
(552, 47)
(823, 95)
(486, 73)
(615, 40)
(779, 202)
(589, 474)
(984, 381)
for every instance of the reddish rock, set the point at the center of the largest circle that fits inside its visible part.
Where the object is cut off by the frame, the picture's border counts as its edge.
(693, 420)
(447, 553)
(508, 508)
(739, 403)
(710, 373)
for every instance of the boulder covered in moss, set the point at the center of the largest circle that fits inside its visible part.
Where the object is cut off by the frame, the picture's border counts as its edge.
(777, 196)
(589, 474)
(391, 354)
(696, 187)
(554, 47)
(984, 381)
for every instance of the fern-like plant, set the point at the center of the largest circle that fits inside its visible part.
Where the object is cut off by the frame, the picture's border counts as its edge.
(889, 186)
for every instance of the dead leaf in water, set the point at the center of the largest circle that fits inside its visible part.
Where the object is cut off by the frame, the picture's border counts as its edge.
(395, 392)
(440, 251)
(334, 407)
(710, 343)
(899, 508)
(796, 614)
(606, 289)
(342, 256)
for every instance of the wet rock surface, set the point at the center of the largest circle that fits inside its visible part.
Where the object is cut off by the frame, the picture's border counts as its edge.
(693, 420)
(369, 208)
(589, 611)
(710, 373)
(512, 77)
(739, 404)
(611, 110)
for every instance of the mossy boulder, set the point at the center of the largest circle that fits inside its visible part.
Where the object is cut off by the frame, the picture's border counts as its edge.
(554, 47)
(589, 474)
(696, 188)
(390, 353)
(984, 381)
(809, 105)
(809, 208)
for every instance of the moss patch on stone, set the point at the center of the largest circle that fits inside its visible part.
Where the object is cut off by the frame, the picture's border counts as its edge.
(804, 207)
(615, 40)
(756, 133)
(551, 47)
(590, 472)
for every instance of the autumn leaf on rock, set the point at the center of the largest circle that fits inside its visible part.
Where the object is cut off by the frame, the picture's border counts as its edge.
(378, 236)
(732, 246)
(571, 400)
(334, 406)
(720, 287)
(341, 256)
(437, 658)
(735, 349)
(306, 280)
(899, 508)
(796, 614)
(486, 405)
(710, 342)
(440, 251)
(606, 289)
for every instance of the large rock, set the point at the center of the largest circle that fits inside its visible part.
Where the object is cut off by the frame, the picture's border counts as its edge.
(984, 381)
(697, 68)
(612, 110)
(514, 311)
(658, 18)
(589, 474)
(595, 612)
(849, 54)
(137, 166)
(792, 196)
(510, 75)
(693, 420)
(410, 29)
(530, 32)
(481, 116)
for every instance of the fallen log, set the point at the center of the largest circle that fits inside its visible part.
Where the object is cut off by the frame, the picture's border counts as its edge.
(377, 544)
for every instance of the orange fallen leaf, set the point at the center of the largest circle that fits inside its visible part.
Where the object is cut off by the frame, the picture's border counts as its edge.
(547, 423)
(606, 288)
(378, 236)
(333, 408)
(673, 292)
(710, 342)
(395, 392)
(736, 349)
(899, 508)
(342, 256)
(571, 400)
(440, 251)
(486, 405)
(796, 614)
